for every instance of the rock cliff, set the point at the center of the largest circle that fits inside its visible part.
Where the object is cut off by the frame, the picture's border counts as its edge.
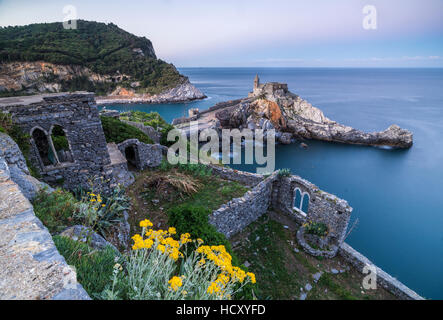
(41, 77)
(272, 106)
(96, 57)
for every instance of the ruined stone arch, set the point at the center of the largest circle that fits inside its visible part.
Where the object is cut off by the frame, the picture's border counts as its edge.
(301, 201)
(44, 149)
(61, 143)
(131, 154)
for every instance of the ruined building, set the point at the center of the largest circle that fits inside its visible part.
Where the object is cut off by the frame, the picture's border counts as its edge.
(68, 145)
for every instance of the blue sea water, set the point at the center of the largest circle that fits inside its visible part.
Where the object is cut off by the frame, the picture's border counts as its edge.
(397, 195)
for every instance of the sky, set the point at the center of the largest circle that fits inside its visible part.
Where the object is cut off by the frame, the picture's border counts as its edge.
(272, 33)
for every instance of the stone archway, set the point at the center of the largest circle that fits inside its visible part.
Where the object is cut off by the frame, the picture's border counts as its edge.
(61, 144)
(44, 148)
(131, 156)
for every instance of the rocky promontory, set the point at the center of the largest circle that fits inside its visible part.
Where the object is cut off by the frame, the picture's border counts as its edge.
(116, 65)
(273, 106)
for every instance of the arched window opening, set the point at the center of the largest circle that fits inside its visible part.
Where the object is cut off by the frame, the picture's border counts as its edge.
(297, 198)
(131, 156)
(61, 144)
(301, 202)
(305, 203)
(44, 148)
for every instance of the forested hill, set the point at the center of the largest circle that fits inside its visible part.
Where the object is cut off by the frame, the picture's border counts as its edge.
(104, 49)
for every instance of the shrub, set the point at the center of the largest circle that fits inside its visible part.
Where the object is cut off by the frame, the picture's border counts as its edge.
(61, 209)
(194, 220)
(316, 228)
(56, 210)
(284, 172)
(197, 170)
(158, 268)
(101, 213)
(20, 138)
(94, 268)
(118, 131)
(152, 119)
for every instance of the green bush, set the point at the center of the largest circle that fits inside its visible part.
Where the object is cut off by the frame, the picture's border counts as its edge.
(316, 228)
(101, 213)
(56, 210)
(197, 170)
(118, 131)
(152, 119)
(188, 218)
(94, 268)
(7, 126)
(284, 172)
(194, 220)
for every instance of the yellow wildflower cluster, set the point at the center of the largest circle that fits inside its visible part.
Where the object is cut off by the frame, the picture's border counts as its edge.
(175, 283)
(95, 199)
(165, 242)
(146, 223)
(222, 259)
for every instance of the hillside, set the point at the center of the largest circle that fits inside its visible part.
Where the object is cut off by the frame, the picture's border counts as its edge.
(95, 57)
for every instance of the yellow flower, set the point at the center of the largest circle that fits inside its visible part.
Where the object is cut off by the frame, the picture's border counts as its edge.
(213, 288)
(172, 230)
(161, 248)
(146, 223)
(251, 276)
(175, 283)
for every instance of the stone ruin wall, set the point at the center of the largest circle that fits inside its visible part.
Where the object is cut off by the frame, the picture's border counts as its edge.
(276, 192)
(323, 207)
(78, 115)
(238, 213)
(145, 155)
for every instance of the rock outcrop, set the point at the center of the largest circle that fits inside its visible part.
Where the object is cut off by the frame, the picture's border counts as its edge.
(272, 106)
(17, 168)
(182, 93)
(31, 268)
(42, 77)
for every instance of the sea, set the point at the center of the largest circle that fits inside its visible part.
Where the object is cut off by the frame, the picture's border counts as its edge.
(397, 195)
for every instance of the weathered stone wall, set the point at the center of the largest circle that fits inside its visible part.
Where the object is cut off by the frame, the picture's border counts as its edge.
(148, 130)
(145, 155)
(391, 284)
(77, 114)
(119, 166)
(236, 215)
(323, 207)
(30, 265)
(245, 178)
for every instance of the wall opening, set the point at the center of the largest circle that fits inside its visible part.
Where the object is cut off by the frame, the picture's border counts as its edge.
(61, 144)
(131, 156)
(44, 147)
(301, 202)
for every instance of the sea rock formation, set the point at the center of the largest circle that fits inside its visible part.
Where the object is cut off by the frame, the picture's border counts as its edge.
(273, 106)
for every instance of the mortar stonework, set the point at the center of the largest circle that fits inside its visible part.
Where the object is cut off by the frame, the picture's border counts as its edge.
(78, 116)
